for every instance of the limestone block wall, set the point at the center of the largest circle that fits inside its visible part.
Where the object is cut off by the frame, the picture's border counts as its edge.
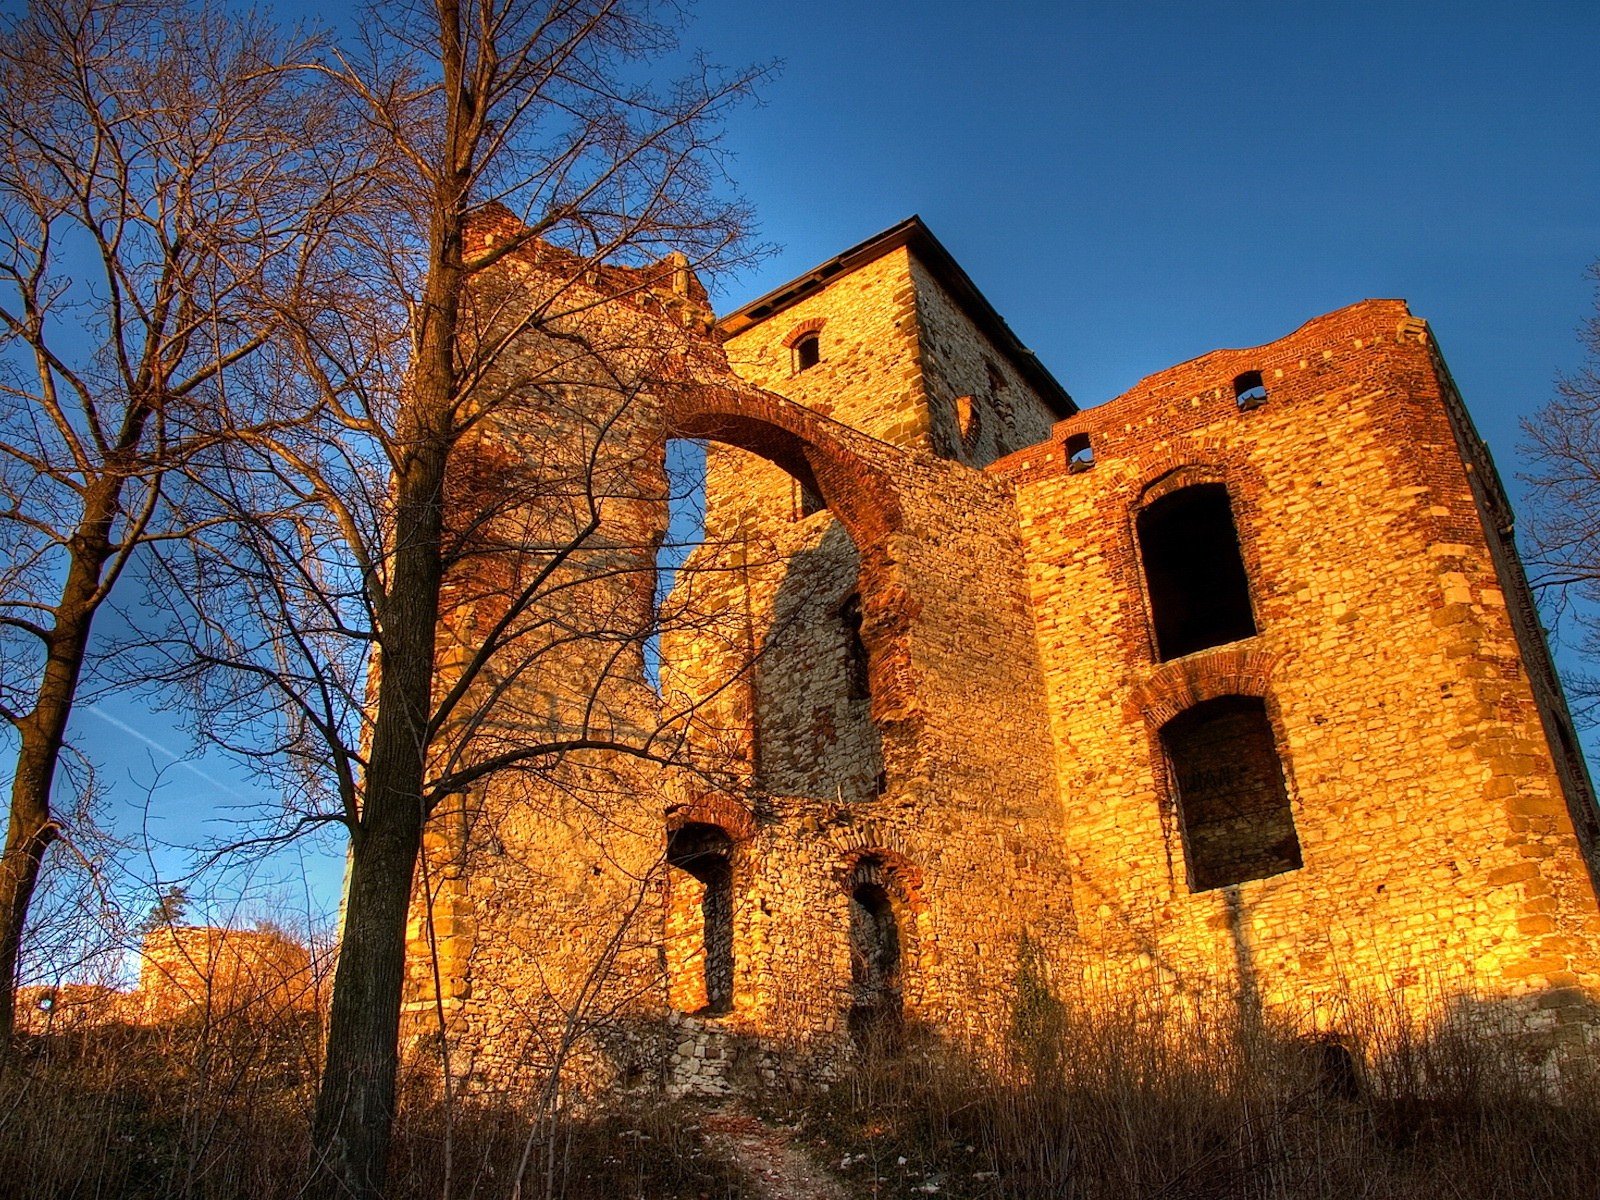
(552, 927)
(1439, 847)
(870, 376)
(916, 714)
(945, 791)
(536, 931)
(979, 407)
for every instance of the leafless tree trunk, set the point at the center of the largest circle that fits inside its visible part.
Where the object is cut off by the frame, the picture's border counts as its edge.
(319, 621)
(162, 170)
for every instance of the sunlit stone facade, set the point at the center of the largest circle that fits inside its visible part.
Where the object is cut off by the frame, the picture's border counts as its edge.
(1228, 688)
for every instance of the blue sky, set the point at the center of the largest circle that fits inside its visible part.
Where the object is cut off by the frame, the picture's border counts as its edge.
(1133, 185)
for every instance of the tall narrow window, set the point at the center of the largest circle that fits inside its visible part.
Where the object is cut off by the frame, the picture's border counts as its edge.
(700, 919)
(857, 681)
(807, 352)
(874, 963)
(1199, 595)
(1234, 807)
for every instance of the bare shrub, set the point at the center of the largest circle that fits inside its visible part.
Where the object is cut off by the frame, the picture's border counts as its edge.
(1145, 1098)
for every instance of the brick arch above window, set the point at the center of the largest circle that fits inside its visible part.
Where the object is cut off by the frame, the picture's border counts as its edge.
(869, 853)
(1177, 478)
(1187, 461)
(713, 808)
(805, 329)
(1175, 687)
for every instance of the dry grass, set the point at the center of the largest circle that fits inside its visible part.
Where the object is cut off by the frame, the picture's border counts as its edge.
(221, 1110)
(1128, 1103)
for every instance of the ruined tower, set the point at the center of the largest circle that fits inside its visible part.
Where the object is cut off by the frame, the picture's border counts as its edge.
(1230, 685)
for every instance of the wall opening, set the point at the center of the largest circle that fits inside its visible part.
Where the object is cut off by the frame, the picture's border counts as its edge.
(756, 660)
(1199, 594)
(699, 933)
(856, 667)
(1249, 390)
(875, 995)
(807, 352)
(1080, 453)
(1231, 798)
(807, 502)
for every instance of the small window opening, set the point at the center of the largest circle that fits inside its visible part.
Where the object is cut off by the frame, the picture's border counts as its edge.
(857, 674)
(874, 965)
(967, 420)
(1250, 390)
(1080, 454)
(997, 381)
(1199, 594)
(700, 919)
(807, 352)
(1231, 798)
(810, 504)
(1333, 1068)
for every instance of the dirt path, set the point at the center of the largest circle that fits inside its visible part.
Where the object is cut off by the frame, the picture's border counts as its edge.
(779, 1169)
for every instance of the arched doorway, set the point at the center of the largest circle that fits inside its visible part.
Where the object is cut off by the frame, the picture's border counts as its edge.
(782, 633)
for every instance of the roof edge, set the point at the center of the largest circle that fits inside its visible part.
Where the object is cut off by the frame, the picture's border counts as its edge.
(914, 234)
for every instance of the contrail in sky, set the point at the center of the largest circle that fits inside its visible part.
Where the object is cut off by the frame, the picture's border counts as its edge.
(155, 745)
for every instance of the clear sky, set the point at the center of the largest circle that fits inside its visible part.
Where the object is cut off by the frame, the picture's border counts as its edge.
(1136, 184)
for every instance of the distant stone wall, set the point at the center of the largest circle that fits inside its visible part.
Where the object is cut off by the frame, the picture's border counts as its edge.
(187, 971)
(184, 968)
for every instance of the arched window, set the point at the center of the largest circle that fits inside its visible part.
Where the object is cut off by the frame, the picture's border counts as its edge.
(1199, 594)
(1231, 797)
(874, 960)
(700, 919)
(807, 352)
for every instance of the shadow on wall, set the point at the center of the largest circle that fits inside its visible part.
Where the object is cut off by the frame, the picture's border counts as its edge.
(814, 731)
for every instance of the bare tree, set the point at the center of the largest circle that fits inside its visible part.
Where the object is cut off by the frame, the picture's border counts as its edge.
(456, 419)
(1562, 442)
(163, 171)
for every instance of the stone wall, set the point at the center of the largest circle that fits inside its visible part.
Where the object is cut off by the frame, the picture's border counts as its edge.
(916, 713)
(1438, 846)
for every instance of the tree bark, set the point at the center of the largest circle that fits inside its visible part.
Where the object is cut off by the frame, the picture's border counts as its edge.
(31, 826)
(356, 1097)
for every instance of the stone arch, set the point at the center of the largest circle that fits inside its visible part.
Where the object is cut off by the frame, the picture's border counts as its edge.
(819, 454)
(874, 862)
(713, 808)
(807, 445)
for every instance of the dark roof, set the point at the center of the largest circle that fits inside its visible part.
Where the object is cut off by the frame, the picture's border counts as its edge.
(914, 234)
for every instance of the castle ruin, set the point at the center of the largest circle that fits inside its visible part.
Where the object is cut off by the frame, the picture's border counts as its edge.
(1232, 684)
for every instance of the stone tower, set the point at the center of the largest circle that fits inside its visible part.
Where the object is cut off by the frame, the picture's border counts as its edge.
(1230, 686)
